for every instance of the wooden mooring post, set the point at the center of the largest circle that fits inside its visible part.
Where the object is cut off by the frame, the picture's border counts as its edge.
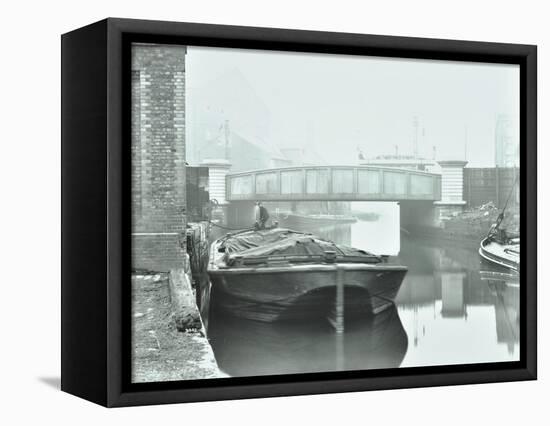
(185, 312)
(340, 313)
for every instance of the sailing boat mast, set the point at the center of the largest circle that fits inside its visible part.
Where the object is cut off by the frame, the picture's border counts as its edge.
(501, 215)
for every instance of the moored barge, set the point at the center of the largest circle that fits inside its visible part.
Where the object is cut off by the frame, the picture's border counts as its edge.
(275, 274)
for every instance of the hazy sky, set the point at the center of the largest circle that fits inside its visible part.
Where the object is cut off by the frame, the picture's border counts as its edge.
(338, 103)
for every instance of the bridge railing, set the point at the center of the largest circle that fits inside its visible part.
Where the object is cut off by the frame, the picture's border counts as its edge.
(339, 183)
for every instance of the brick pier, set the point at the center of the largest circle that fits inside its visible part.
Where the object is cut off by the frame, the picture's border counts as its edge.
(158, 155)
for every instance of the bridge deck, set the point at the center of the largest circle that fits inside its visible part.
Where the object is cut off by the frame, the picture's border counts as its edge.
(338, 183)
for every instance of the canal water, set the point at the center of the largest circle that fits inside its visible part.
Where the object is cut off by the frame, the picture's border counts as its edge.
(452, 308)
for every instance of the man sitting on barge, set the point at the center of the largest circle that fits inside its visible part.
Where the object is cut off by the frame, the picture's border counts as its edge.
(261, 216)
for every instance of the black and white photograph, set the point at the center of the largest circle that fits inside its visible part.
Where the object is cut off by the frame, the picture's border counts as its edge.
(275, 213)
(296, 212)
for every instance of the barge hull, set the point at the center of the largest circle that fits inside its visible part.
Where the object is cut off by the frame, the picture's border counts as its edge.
(272, 294)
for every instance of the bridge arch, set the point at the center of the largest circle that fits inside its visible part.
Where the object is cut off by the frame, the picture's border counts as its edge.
(333, 183)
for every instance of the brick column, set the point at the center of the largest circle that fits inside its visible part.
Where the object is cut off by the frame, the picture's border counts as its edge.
(158, 155)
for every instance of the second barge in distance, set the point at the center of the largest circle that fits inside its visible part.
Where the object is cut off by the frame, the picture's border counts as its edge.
(299, 221)
(280, 274)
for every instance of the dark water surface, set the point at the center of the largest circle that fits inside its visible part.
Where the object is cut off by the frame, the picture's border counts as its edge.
(451, 309)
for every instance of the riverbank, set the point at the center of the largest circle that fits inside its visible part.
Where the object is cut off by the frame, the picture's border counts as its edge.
(159, 351)
(470, 225)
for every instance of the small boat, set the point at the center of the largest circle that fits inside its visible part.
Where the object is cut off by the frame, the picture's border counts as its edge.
(367, 216)
(276, 274)
(500, 246)
(502, 253)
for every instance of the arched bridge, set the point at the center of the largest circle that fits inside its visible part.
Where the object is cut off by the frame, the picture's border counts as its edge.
(338, 183)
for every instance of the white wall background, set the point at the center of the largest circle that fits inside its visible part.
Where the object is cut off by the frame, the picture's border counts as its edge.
(30, 179)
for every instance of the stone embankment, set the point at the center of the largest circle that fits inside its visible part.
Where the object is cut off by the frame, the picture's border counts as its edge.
(168, 335)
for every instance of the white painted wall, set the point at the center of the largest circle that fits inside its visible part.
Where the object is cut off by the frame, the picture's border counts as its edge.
(452, 184)
(217, 170)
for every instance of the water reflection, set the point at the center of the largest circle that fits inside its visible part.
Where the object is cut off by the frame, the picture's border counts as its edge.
(505, 288)
(245, 347)
(451, 309)
(455, 308)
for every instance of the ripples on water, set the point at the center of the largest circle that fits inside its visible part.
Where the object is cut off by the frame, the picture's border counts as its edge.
(451, 309)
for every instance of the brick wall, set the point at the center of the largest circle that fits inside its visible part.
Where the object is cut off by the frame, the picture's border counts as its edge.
(158, 155)
(490, 184)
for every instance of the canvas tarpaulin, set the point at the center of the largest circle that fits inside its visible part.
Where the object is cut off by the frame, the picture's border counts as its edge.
(285, 242)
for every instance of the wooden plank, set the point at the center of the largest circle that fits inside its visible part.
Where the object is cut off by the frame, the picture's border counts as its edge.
(185, 312)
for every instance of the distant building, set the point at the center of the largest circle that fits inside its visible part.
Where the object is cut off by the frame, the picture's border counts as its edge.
(243, 153)
(302, 156)
(506, 142)
(402, 162)
(197, 193)
(228, 120)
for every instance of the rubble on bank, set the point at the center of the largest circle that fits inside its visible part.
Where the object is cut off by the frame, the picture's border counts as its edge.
(472, 224)
(478, 221)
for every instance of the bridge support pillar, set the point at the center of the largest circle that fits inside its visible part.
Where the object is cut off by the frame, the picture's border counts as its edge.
(452, 185)
(414, 214)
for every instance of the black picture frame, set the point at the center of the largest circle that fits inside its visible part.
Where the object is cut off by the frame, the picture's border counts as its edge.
(95, 211)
